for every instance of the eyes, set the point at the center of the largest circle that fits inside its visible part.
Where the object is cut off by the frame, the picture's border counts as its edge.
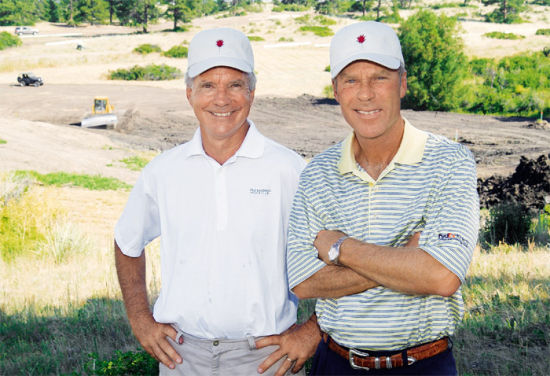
(235, 86)
(349, 81)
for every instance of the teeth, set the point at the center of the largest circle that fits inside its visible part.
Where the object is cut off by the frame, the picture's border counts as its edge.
(368, 112)
(221, 114)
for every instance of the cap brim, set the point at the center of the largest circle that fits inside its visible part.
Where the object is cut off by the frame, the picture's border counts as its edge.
(224, 61)
(389, 62)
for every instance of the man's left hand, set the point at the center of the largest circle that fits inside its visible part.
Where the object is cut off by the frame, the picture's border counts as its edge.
(297, 344)
(324, 240)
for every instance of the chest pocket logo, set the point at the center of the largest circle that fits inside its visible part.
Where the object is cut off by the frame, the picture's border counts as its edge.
(260, 191)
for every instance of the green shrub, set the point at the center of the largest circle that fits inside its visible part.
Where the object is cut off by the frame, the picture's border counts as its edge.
(128, 363)
(150, 72)
(147, 48)
(3, 141)
(445, 5)
(8, 40)
(283, 39)
(540, 229)
(325, 21)
(508, 222)
(327, 68)
(254, 38)
(290, 8)
(435, 62)
(328, 92)
(515, 85)
(176, 52)
(501, 35)
(543, 32)
(321, 31)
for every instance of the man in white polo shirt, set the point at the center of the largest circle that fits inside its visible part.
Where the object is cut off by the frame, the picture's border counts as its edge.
(220, 203)
(383, 224)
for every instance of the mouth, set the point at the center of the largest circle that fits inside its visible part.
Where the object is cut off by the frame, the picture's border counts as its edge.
(367, 112)
(221, 114)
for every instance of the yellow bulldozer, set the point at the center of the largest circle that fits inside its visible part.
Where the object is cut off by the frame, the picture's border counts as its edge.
(102, 114)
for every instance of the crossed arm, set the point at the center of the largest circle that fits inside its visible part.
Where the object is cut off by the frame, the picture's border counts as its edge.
(408, 269)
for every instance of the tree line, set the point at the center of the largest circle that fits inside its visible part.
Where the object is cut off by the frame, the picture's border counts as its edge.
(121, 12)
(142, 12)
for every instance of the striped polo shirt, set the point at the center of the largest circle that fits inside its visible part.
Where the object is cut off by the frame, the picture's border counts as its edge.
(429, 186)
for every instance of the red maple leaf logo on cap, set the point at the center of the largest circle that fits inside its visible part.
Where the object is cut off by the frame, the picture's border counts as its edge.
(219, 43)
(361, 39)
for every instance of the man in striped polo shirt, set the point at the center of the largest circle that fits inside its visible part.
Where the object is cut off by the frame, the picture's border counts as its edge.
(383, 224)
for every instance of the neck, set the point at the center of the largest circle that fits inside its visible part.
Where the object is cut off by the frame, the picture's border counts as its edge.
(374, 155)
(221, 149)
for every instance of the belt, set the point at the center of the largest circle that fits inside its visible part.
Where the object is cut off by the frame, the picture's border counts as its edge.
(359, 359)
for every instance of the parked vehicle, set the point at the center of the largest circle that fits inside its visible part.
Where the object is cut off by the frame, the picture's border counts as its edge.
(20, 30)
(29, 79)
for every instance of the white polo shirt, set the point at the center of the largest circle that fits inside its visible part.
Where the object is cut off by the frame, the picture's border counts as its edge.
(223, 236)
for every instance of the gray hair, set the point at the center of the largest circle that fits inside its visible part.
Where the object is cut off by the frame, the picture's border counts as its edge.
(251, 80)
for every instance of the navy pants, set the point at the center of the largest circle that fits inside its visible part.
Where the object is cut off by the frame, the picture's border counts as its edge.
(327, 362)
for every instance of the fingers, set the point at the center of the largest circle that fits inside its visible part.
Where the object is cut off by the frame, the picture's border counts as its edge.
(414, 240)
(285, 366)
(270, 360)
(155, 342)
(268, 341)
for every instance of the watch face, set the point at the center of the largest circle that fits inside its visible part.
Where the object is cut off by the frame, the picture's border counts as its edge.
(332, 254)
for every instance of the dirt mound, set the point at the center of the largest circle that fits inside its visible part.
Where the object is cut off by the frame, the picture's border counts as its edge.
(529, 185)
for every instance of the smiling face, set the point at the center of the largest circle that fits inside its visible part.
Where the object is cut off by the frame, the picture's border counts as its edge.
(221, 100)
(370, 100)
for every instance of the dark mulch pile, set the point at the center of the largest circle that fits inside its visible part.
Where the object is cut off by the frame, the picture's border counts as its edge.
(529, 185)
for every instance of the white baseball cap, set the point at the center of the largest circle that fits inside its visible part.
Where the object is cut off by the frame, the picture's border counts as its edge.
(224, 47)
(369, 40)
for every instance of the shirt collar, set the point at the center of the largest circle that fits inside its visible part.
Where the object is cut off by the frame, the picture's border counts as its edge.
(410, 151)
(252, 146)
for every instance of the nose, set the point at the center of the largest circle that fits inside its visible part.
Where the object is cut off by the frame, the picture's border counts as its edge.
(221, 96)
(366, 91)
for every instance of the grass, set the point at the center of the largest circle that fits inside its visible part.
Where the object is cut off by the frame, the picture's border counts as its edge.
(543, 32)
(66, 315)
(255, 38)
(501, 35)
(506, 327)
(3, 141)
(321, 31)
(58, 179)
(135, 163)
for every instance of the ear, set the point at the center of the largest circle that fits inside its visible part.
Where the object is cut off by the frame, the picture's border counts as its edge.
(188, 93)
(403, 86)
(334, 90)
(252, 92)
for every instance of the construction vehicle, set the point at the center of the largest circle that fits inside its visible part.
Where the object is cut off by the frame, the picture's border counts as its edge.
(101, 114)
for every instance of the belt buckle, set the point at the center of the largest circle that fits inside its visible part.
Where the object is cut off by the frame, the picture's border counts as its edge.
(353, 352)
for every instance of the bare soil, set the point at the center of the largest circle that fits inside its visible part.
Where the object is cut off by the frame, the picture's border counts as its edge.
(158, 119)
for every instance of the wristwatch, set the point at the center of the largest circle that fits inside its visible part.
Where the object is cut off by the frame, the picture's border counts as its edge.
(334, 251)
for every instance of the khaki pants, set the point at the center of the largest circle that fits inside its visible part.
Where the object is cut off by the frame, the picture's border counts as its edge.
(220, 357)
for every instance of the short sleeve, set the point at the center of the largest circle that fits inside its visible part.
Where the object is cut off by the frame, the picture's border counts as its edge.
(452, 218)
(139, 223)
(304, 224)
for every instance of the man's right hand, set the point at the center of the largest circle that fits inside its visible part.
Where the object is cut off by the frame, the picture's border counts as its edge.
(153, 337)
